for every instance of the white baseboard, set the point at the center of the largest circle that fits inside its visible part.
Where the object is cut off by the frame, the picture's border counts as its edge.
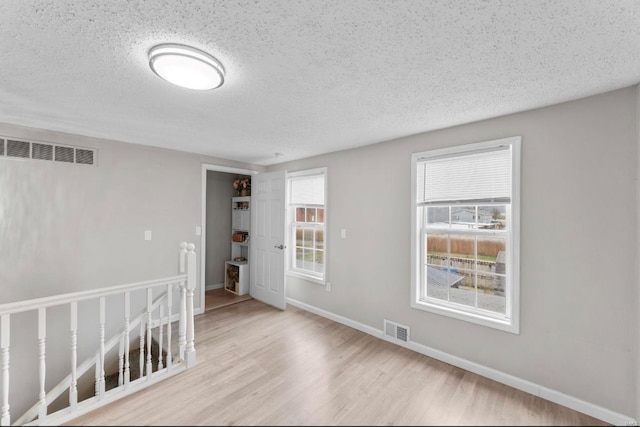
(555, 396)
(213, 286)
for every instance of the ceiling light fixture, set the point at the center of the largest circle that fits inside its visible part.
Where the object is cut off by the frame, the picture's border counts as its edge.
(186, 66)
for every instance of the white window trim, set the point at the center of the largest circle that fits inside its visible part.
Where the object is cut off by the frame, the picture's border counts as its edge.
(510, 325)
(295, 273)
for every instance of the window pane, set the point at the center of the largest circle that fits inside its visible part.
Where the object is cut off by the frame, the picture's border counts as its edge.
(462, 252)
(299, 256)
(308, 259)
(319, 262)
(319, 238)
(438, 279)
(311, 214)
(320, 215)
(299, 236)
(308, 238)
(491, 255)
(463, 291)
(299, 214)
(463, 217)
(437, 249)
(438, 217)
(491, 292)
(492, 217)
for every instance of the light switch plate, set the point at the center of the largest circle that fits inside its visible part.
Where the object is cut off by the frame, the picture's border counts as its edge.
(343, 233)
(147, 235)
(198, 231)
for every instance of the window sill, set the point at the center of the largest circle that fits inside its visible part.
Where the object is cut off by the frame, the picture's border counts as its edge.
(501, 324)
(306, 277)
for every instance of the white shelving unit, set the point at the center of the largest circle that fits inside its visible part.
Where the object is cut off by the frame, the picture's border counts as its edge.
(236, 277)
(237, 269)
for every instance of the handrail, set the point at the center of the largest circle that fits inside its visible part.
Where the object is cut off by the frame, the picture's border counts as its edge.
(185, 281)
(83, 367)
(36, 303)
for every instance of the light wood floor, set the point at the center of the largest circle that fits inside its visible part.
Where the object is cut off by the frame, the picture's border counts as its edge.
(261, 366)
(217, 298)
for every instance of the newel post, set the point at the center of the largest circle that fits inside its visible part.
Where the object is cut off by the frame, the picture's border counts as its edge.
(190, 351)
(182, 324)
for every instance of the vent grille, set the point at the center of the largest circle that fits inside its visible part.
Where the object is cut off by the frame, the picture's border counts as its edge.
(395, 331)
(64, 154)
(11, 148)
(41, 151)
(18, 149)
(84, 157)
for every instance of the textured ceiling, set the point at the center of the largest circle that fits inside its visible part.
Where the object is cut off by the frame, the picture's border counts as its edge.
(305, 77)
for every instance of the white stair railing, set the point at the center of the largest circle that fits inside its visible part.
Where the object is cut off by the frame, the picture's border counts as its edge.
(173, 364)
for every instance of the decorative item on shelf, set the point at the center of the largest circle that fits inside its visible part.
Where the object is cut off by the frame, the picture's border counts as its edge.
(239, 237)
(242, 186)
(239, 259)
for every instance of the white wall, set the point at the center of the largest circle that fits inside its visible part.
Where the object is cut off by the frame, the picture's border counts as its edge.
(579, 296)
(66, 228)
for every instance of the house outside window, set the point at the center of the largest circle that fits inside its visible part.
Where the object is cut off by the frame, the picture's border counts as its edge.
(465, 232)
(307, 229)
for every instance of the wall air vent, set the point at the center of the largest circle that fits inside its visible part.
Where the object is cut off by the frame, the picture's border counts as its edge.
(19, 149)
(41, 151)
(11, 148)
(64, 154)
(84, 157)
(395, 332)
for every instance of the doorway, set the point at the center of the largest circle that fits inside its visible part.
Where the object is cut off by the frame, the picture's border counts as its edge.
(216, 247)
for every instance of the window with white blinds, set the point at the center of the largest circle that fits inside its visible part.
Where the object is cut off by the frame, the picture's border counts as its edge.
(465, 232)
(307, 224)
(474, 177)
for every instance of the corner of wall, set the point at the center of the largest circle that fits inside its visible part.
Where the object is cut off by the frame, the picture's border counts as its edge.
(637, 206)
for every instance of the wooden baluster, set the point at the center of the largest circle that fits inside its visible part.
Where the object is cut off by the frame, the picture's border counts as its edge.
(190, 351)
(169, 305)
(127, 315)
(121, 362)
(4, 367)
(182, 324)
(42, 337)
(149, 338)
(161, 312)
(102, 323)
(97, 374)
(141, 358)
(73, 388)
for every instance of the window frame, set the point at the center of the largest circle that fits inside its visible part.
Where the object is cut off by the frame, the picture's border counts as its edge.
(320, 279)
(510, 322)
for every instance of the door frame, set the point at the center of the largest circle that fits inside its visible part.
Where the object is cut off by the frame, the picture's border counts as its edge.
(203, 220)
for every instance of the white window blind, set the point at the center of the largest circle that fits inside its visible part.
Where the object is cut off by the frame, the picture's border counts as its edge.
(476, 177)
(307, 190)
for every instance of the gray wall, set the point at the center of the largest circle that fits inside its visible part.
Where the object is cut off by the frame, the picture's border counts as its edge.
(579, 294)
(219, 194)
(66, 228)
(637, 283)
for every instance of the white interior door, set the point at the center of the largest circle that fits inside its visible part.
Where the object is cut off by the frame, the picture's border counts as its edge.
(266, 269)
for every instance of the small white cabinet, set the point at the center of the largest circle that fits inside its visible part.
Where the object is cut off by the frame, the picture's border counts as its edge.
(236, 277)
(237, 269)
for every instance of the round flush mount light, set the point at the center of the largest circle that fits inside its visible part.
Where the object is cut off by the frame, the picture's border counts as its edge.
(186, 66)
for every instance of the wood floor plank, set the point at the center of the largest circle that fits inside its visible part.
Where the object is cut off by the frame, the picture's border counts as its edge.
(261, 366)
